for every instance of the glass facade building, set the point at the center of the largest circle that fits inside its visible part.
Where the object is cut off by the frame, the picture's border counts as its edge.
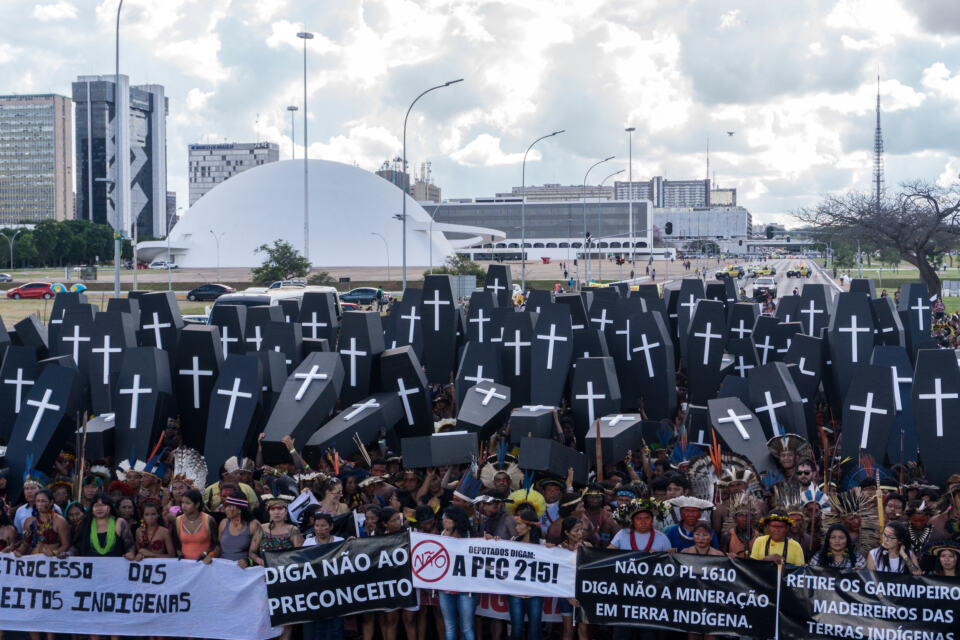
(211, 164)
(36, 160)
(133, 131)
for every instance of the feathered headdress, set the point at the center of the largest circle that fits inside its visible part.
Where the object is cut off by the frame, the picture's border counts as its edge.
(154, 467)
(190, 467)
(502, 462)
(470, 486)
(624, 514)
(528, 496)
(743, 502)
(850, 504)
(126, 466)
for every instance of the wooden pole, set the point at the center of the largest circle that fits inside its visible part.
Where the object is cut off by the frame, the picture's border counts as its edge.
(599, 452)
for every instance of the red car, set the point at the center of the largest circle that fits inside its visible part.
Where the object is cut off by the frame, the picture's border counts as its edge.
(32, 290)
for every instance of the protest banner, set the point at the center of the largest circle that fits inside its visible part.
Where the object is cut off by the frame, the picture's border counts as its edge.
(113, 596)
(492, 605)
(678, 592)
(491, 566)
(340, 579)
(822, 603)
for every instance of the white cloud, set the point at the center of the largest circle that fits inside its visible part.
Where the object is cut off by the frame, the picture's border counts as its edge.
(197, 99)
(951, 174)
(937, 77)
(58, 11)
(729, 20)
(485, 151)
(8, 52)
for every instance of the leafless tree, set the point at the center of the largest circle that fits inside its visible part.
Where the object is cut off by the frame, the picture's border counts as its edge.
(921, 222)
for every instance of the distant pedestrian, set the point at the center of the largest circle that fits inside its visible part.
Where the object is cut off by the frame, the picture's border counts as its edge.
(653, 274)
(379, 299)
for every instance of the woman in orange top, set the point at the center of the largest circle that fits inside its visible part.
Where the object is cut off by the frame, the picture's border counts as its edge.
(196, 531)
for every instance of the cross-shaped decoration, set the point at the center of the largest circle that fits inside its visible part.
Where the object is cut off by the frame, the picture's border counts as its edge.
(771, 408)
(403, 392)
(436, 302)
(737, 421)
(76, 339)
(195, 373)
(480, 319)
(234, 393)
(353, 352)
(707, 336)
(156, 326)
(106, 350)
(740, 330)
(853, 330)
(488, 394)
(551, 338)
(360, 407)
(313, 324)
(477, 379)
(602, 319)
(135, 391)
(308, 378)
(615, 420)
(225, 339)
(766, 346)
(920, 308)
(42, 407)
(868, 410)
(811, 312)
(517, 344)
(590, 396)
(803, 371)
(742, 367)
(497, 287)
(938, 396)
(646, 348)
(20, 382)
(626, 333)
(896, 387)
(412, 319)
(257, 337)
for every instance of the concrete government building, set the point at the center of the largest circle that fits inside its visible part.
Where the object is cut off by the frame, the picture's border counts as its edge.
(211, 164)
(36, 158)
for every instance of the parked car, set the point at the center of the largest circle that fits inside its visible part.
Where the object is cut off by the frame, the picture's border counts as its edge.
(210, 291)
(730, 271)
(279, 284)
(349, 306)
(163, 264)
(6, 277)
(32, 290)
(363, 296)
(763, 286)
(798, 271)
(764, 270)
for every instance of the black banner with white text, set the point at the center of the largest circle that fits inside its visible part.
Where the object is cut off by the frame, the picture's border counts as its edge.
(821, 603)
(679, 592)
(340, 579)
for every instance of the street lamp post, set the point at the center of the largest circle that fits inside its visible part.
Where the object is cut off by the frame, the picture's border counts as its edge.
(523, 211)
(404, 183)
(583, 196)
(600, 227)
(217, 238)
(305, 35)
(293, 139)
(386, 250)
(432, 216)
(10, 240)
(118, 227)
(630, 131)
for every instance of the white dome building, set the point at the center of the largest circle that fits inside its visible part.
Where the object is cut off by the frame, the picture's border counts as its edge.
(347, 205)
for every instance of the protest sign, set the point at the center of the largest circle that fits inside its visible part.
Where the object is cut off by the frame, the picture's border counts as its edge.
(112, 596)
(340, 579)
(678, 592)
(821, 603)
(491, 566)
(492, 605)
(296, 508)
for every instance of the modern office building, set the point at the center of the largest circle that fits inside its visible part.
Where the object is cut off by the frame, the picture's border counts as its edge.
(36, 158)
(211, 164)
(171, 209)
(558, 193)
(665, 193)
(391, 172)
(133, 131)
(684, 224)
(553, 229)
(725, 197)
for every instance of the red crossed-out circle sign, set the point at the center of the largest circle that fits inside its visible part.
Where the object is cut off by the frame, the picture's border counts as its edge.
(430, 560)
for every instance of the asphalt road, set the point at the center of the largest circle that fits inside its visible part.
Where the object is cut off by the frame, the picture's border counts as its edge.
(785, 285)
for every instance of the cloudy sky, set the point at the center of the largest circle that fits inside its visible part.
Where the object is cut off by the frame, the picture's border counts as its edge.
(795, 80)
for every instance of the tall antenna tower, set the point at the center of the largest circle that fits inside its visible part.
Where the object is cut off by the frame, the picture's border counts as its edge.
(708, 157)
(878, 151)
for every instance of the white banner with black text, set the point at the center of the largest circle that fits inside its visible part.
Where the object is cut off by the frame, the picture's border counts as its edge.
(491, 566)
(112, 596)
